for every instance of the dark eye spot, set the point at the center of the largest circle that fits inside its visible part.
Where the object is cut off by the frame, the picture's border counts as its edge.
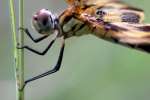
(100, 12)
(45, 21)
(35, 18)
(130, 17)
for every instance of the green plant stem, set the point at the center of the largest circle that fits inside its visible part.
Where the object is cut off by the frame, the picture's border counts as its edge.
(18, 54)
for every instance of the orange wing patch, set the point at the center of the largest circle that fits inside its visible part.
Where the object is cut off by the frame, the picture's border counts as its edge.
(83, 3)
(115, 11)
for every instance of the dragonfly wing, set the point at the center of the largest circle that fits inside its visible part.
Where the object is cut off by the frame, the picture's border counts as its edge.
(127, 29)
(88, 2)
(133, 35)
(119, 11)
(115, 10)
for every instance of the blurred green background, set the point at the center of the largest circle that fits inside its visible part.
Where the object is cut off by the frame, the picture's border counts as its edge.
(92, 69)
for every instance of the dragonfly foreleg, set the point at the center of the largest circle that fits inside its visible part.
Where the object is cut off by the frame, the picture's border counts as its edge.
(31, 37)
(38, 52)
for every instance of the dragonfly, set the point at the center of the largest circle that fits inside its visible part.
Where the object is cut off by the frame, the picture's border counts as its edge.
(111, 20)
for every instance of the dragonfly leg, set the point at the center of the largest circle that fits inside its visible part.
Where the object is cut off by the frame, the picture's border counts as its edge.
(38, 52)
(44, 51)
(55, 69)
(31, 37)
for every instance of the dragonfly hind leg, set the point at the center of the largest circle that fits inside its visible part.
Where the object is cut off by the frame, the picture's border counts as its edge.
(55, 69)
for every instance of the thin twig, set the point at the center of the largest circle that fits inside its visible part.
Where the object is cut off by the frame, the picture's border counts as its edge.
(18, 54)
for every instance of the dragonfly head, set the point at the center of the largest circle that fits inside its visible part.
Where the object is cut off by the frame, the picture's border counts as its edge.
(45, 22)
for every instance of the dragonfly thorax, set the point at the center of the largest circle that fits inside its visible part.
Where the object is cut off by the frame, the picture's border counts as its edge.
(45, 22)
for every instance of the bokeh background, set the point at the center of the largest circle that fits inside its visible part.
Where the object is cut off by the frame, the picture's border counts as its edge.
(92, 69)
